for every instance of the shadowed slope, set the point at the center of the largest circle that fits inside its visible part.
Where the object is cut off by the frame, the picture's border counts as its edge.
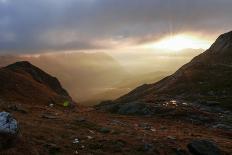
(23, 82)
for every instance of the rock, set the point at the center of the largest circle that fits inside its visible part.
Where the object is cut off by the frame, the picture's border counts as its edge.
(118, 123)
(104, 130)
(134, 108)
(130, 108)
(9, 130)
(53, 148)
(212, 103)
(81, 119)
(203, 147)
(163, 128)
(17, 108)
(89, 137)
(8, 124)
(48, 116)
(222, 126)
(171, 138)
(146, 147)
(153, 130)
(76, 141)
(178, 151)
(145, 126)
(51, 105)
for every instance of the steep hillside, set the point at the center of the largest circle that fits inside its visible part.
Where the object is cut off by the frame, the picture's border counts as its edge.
(22, 82)
(206, 78)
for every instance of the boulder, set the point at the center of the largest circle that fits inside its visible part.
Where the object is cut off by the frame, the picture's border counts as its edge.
(8, 124)
(203, 147)
(9, 130)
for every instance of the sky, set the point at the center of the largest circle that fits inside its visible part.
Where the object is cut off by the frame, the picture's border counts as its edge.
(34, 26)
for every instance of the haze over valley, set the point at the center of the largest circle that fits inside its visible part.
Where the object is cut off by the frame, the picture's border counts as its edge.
(115, 77)
(92, 77)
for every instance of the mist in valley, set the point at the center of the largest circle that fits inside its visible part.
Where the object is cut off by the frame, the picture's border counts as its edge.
(91, 77)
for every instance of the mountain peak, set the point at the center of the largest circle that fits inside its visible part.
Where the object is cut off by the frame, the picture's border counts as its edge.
(223, 44)
(24, 66)
(21, 64)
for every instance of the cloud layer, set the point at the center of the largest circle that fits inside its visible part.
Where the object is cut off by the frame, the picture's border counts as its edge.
(44, 25)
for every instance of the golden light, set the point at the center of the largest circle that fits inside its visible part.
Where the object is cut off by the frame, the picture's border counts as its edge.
(180, 42)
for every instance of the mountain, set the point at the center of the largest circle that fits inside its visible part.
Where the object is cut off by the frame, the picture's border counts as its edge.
(22, 82)
(84, 75)
(202, 85)
(93, 77)
(33, 105)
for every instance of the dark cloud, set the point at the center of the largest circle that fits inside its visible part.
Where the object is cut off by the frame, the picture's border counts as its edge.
(40, 25)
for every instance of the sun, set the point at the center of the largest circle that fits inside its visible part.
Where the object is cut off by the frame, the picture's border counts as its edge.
(180, 42)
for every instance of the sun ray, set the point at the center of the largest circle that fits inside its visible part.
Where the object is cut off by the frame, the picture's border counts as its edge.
(179, 42)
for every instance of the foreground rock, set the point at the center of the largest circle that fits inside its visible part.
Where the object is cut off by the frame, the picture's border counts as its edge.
(203, 147)
(9, 129)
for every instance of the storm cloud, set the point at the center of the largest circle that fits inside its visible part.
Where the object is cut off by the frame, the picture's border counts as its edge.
(30, 26)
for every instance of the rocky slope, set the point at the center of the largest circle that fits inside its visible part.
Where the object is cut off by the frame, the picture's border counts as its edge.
(200, 91)
(206, 79)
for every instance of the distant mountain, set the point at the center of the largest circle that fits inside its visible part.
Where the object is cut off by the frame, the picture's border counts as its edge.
(205, 80)
(24, 83)
(83, 74)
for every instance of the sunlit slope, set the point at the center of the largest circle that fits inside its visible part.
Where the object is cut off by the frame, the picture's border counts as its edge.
(206, 78)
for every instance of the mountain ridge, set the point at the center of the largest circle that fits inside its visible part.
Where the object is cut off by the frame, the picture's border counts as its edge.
(206, 77)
